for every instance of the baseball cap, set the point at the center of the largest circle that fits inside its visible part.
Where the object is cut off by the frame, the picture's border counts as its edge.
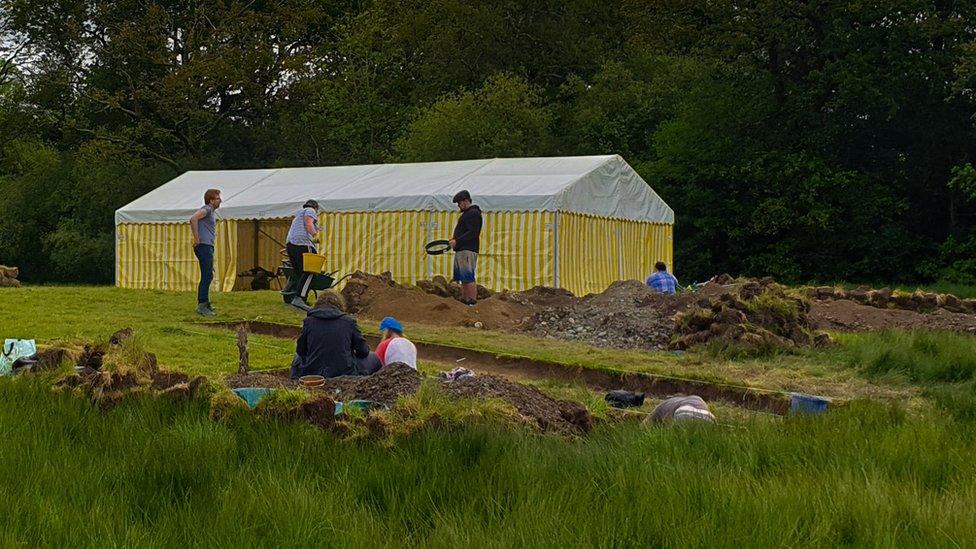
(462, 195)
(390, 323)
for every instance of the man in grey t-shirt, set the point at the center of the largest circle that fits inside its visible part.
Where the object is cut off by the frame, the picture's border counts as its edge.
(203, 223)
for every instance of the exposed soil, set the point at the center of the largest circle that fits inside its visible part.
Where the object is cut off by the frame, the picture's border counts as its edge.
(386, 385)
(549, 414)
(530, 369)
(849, 316)
(389, 383)
(630, 315)
(164, 379)
(275, 379)
(627, 314)
(377, 296)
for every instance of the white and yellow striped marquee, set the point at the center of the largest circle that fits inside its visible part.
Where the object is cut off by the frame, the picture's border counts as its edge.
(578, 223)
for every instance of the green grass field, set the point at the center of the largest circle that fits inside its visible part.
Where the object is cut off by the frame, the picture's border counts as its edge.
(168, 327)
(891, 471)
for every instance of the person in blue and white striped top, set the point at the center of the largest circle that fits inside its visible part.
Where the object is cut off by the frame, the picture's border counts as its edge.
(303, 229)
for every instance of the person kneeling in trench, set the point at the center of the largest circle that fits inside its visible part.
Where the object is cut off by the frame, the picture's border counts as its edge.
(330, 344)
(681, 408)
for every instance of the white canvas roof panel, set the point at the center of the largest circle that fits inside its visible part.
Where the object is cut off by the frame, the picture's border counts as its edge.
(598, 185)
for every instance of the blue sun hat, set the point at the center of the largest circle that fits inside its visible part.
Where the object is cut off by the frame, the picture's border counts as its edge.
(390, 323)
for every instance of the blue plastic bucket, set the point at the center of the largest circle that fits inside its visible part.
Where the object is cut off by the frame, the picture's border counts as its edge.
(807, 404)
(252, 395)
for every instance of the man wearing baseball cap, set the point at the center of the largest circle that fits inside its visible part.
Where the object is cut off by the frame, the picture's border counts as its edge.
(466, 242)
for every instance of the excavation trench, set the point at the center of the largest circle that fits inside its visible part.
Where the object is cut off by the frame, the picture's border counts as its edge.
(532, 369)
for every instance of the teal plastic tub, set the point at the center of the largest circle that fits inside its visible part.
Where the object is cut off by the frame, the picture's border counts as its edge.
(252, 395)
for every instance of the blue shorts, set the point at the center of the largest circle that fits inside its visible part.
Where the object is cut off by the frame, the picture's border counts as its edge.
(465, 262)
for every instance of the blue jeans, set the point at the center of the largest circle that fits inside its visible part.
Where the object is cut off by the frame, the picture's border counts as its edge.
(205, 254)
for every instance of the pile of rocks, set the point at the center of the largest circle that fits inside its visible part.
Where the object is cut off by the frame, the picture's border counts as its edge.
(886, 298)
(628, 314)
(755, 314)
(8, 277)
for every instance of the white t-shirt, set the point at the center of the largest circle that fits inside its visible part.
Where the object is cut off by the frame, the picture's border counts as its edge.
(401, 350)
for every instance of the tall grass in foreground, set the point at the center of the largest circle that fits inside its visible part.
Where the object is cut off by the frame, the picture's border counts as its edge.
(152, 472)
(944, 363)
(919, 356)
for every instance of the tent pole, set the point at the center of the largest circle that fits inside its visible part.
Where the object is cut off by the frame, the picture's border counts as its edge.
(555, 251)
(257, 235)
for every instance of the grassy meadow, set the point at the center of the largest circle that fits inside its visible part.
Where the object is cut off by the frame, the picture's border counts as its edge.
(892, 468)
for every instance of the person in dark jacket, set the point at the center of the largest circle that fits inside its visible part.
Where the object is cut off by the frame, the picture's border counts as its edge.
(330, 344)
(466, 243)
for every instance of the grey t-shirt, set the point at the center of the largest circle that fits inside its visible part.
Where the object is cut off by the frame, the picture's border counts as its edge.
(207, 227)
(296, 233)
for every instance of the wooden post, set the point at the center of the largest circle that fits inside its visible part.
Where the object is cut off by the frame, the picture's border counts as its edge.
(242, 331)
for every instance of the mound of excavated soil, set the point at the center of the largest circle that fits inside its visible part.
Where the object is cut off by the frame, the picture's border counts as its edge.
(753, 314)
(627, 314)
(396, 380)
(389, 383)
(549, 414)
(377, 296)
(386, 385)
(276, 379)
(849, 316)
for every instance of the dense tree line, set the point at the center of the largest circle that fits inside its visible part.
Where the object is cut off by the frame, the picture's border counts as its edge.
(808, 140)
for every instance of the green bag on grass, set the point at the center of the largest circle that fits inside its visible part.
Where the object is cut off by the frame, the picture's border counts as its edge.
(14, 349)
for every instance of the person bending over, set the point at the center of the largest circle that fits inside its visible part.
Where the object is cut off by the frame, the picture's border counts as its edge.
(301, 234)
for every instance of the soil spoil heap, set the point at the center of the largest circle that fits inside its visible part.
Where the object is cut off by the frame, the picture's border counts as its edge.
(548, 414)
(627, 314)
(377, 296)
(753, 314)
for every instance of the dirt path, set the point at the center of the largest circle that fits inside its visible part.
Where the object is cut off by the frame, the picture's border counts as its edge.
(599, 380)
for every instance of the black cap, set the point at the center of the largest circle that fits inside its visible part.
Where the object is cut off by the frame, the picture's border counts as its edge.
(311, 204)
(463, 195)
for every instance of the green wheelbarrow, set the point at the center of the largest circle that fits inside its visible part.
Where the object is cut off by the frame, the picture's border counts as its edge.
(320, 283)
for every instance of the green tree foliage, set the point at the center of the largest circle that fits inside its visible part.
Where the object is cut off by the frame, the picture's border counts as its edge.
(806, 139)
(505, 117)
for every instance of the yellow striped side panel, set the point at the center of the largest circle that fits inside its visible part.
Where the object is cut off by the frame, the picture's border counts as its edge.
(595, 251)
(160, 256)
(515, 249)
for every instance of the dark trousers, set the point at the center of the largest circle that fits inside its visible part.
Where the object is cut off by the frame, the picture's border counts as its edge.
(364, 366)
(302, 279)
(205, 254)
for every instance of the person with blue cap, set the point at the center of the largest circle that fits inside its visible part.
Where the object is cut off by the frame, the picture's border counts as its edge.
(394, 347)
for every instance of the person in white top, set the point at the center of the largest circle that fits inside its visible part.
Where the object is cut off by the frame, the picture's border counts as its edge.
(401, 349)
